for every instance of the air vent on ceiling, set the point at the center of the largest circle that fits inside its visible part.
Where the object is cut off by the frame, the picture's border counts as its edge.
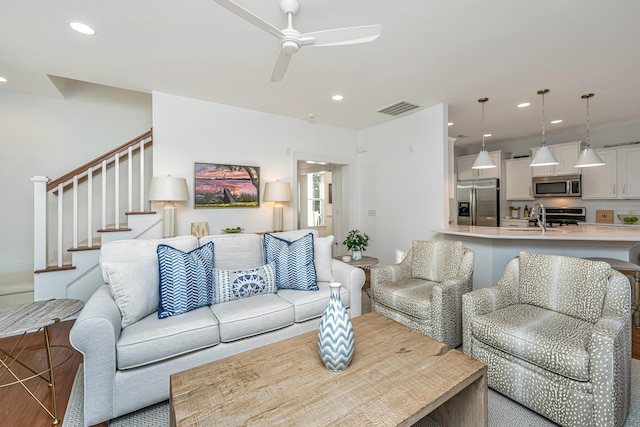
(398, 108)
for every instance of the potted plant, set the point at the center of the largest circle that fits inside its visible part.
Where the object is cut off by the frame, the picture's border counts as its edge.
(356, 242)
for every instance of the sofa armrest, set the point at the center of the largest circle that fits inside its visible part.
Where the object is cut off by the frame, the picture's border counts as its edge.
(487, 300)
(94, 334)
(353, 279)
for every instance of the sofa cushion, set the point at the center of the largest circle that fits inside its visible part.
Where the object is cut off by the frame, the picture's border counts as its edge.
(229, 285)
(134, 286)
(573, 286)
(252, 316)
(309, 305)
(295, 268)
(123, 250)
(186, 279)
(152, 339)
(435, 260)
(236, 251)
(410, 296)
(322, 250)
(548, 339)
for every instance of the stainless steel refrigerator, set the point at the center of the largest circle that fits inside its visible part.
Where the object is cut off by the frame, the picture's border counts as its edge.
(479, 202)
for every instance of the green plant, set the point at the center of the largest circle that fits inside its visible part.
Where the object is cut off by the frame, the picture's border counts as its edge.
(356, 241)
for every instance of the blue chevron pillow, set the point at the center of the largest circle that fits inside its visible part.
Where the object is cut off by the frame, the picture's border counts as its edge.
(186, 279)
(294, 262)
(229, 285)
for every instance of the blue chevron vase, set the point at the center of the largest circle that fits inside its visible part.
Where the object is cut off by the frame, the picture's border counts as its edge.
(335, 333)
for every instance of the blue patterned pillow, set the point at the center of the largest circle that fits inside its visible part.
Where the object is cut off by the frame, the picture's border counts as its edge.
(229, 285)
(293, 261)
(186, 279)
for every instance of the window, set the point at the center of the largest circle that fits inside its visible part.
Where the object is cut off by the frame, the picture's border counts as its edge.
(315, 200)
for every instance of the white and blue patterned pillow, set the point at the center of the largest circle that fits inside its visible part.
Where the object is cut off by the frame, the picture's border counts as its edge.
(294, 262)
(229, 285)
(186, 279)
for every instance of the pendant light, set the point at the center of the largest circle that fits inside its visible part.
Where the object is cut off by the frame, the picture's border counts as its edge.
(483, 161)
(588, 157)
(544, 156)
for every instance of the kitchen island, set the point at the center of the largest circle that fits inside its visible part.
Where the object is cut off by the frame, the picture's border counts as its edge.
(496, 246)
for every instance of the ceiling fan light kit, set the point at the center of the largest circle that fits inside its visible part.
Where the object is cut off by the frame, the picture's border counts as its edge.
(291, 40)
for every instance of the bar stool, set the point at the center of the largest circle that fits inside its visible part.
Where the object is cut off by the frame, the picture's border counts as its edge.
(628, 269)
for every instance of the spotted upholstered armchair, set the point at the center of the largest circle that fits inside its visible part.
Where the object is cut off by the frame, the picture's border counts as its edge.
(424, 291)
(555, 333)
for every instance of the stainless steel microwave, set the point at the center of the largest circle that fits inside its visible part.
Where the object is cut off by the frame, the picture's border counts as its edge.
(557, 186)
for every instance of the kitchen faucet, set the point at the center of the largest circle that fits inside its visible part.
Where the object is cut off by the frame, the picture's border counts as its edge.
(536, 211)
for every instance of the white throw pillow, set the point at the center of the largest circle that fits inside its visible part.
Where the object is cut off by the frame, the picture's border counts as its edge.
(134, 286)
(322, 258)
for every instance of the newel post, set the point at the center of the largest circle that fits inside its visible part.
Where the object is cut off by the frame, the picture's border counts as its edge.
(39, 222)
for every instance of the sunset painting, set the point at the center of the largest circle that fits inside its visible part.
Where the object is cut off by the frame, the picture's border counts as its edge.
(226, 186)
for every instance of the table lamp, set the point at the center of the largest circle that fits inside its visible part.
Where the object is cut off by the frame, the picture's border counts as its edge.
(277, 192)
(168, 189)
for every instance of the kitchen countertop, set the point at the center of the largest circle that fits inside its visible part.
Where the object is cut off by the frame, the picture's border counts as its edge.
(566, 233)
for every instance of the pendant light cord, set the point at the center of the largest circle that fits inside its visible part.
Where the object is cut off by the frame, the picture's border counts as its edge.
(587, 97)
(482, 101)
(544, 140)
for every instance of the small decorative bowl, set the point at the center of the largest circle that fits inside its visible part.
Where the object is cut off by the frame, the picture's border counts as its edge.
(628, 218)
(233, 230)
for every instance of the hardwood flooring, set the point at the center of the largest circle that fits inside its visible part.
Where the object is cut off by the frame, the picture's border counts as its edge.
(17, 408)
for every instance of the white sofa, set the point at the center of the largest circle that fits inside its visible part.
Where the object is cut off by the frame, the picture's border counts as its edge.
(128, 368)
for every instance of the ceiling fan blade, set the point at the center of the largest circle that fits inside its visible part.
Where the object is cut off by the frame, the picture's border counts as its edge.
(282, 63)
(344, 36)
(243, 13)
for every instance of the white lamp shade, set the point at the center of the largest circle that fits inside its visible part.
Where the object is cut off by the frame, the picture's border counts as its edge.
(589, 158)
(483, 161)
(168, 189)
(544, 157)
(277, 192)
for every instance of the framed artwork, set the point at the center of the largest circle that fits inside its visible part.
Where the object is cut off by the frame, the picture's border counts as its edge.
(226, 186)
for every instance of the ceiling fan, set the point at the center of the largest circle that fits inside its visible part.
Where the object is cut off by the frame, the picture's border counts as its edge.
(291, 40)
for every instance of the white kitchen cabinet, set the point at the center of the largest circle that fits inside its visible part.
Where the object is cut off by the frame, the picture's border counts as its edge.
(600, 182)
(567, 155)
(618, 178)
(464, 164)
(517, 179)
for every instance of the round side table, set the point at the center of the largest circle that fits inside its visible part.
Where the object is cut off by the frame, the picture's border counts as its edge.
(365, 263)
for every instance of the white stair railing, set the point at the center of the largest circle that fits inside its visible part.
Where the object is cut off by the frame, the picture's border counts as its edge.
(81, 183)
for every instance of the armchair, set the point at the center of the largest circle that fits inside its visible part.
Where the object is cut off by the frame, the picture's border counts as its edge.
(424, 291)
(555, 333)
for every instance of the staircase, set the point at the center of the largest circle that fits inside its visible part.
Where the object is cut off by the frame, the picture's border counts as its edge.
(102, 200)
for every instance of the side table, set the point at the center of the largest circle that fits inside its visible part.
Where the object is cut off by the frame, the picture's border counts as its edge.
(32, 317)
(365, 263)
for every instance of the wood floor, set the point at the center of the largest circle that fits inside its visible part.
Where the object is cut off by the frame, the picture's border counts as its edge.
(17, 408)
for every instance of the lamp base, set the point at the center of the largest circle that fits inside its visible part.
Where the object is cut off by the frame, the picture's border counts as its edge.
(169, 220)
(277, 218)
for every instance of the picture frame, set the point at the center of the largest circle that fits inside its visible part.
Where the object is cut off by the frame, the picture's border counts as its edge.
(221, 185)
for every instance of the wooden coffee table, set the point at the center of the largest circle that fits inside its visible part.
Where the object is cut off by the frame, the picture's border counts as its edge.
(397, 377)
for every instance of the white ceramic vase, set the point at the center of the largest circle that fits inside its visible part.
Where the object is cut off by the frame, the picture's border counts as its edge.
(356, 255)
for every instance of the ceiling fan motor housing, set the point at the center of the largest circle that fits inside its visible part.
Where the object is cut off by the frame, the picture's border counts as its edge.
(289, 46)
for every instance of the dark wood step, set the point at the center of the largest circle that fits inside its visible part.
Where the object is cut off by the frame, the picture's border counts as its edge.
(84, 248)
(55, 268)
(141, 213)
(111, 230)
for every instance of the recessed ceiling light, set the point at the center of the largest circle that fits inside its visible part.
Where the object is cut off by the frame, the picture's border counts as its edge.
(487, 135)
(524, 104)
(315, 162)
(337, 97)
(450, 123)
(3, 80)
(555, 122)
(82, 28)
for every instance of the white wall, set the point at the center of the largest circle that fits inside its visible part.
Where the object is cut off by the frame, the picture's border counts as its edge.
(46, 136)
(187, 131)
(402, 181)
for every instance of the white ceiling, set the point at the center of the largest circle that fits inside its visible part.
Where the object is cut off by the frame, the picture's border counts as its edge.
(429, 52)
